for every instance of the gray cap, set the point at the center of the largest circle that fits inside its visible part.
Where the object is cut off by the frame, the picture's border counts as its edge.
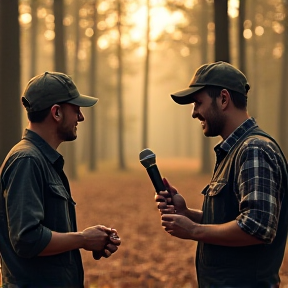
(50, 88)
(219, 74)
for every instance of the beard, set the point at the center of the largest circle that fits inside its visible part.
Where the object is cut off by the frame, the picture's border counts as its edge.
(214, 122)
(66, 132)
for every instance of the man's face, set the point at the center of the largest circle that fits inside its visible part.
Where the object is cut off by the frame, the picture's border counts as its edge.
(209, 114)
(71, 115)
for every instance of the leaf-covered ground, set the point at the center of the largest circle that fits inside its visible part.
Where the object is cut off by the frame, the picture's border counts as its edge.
(148, 256)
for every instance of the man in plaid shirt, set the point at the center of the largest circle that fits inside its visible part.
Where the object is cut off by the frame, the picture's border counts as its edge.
(242, 227)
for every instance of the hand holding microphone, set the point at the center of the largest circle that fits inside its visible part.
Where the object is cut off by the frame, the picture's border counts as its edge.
(169, 201)
(148, 160)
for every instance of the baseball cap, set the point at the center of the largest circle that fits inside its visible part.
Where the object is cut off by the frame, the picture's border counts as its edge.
(220, 74)
(49, 88)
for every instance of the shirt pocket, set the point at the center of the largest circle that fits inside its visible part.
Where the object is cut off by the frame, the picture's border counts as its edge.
(216, 187)
(215, 203)
(59, 191)
(57, 216)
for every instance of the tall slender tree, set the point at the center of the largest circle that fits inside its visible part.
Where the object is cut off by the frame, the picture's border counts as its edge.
(221, 30)
(33, 39)
(205, 152)
(122, 164)
(254, 74)
(241, 40)
(146, 81)
(77, 39)
(68, 149)
(59, 52)
(92, 90)
(10, 109)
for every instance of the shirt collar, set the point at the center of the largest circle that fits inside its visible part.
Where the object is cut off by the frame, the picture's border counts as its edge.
(233, 138)
(51, 154)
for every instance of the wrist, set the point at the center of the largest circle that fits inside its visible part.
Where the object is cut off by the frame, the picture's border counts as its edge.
(194, 215)
(80, 239)
(185, 212)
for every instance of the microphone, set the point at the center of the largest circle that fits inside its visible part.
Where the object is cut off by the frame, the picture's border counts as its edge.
(148, 160)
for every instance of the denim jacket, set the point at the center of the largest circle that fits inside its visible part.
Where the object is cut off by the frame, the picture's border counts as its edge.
(35, 200)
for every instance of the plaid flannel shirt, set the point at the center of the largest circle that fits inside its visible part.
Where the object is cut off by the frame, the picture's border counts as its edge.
(257, 183)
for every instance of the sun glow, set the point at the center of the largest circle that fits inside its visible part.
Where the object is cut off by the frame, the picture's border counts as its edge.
(161, 20)
(233, 8)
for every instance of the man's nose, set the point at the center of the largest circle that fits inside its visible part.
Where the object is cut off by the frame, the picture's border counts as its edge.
(194, 113)
(80, 116)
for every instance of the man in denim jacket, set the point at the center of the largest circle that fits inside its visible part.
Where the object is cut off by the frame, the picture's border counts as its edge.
(39, 241)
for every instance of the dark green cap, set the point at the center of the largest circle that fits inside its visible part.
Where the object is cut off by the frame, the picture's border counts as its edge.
(219, 74)
(50, 88)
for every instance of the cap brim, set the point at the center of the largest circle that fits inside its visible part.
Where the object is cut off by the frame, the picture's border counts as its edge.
(84, 101)
(186, 96)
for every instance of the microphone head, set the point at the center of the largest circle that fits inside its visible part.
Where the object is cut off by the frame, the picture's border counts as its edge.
(147, 158)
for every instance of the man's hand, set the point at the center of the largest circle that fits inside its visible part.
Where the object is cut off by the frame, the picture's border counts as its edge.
(110, 248)
(169, 201)
(95, 237)
(178, 226)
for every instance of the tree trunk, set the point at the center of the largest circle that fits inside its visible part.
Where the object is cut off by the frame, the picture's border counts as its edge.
(77, 40)
(254, 74)
(67, 149)
(122, 164)
(221, 30)
(146, 83)
(34, 35)
(93, 84)
(59, 53)
(241, 40)
(205, 153)
(10, 108)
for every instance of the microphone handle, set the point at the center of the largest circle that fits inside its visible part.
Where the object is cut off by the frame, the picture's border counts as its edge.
(156, 178)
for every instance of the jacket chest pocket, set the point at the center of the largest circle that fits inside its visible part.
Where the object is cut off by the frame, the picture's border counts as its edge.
(215, 205)
(220, 203)
(57, 212)
(216, 187)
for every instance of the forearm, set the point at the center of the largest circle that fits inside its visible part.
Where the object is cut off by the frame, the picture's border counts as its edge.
(194, 215)
(227, 234)
(63, 242)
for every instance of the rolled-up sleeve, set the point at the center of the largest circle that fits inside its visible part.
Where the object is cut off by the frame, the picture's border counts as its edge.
(260, 194)
(24, 206)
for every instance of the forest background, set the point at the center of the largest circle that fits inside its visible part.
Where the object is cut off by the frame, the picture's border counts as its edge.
(132, 55)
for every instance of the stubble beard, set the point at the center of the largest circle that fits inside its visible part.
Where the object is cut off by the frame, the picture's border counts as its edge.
(214, 122)
(66, 133)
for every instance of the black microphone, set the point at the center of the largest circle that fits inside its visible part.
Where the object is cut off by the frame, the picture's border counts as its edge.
(148, 160)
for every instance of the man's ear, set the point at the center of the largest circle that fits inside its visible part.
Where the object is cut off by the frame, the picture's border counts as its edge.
(224, 98)
(55, 111)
